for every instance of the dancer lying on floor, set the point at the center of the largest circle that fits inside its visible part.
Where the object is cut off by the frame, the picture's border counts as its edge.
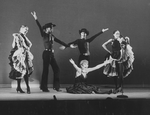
(80, 86)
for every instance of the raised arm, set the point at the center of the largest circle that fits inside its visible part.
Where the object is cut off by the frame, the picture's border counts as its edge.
(105, 45)
(37, 22)
(74, 65)
(14, 40)
(99, 66)
(93, 37)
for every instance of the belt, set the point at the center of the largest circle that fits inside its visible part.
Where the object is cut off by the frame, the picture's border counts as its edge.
(86, 54)
(51, 50)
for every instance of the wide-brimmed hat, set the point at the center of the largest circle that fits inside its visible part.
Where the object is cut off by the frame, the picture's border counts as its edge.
(49, 25)
(84, 30)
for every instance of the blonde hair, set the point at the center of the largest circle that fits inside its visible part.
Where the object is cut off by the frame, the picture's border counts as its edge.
(83, 61)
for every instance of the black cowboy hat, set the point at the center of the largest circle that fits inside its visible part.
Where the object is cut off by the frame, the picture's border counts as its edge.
(49, 25)
(84, 30)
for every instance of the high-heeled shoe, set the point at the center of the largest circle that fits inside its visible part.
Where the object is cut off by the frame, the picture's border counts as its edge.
(19, 90)
(118, 90)
(110, 91)
(57, 89)
(28, 90)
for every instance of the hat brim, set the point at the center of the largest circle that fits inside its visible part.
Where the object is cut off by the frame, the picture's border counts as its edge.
(85, 31)
(48, 25)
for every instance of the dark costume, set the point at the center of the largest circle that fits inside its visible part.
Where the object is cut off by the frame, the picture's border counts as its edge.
(112, 69)
(122, 56)
(48, 58)
(121, 66)
(81, 87)
(83, 46)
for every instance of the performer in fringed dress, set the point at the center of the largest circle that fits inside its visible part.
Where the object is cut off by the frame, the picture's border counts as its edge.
(127, 56)
(21, 59)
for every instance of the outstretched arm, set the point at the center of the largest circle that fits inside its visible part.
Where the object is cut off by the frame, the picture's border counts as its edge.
(73, 44)
(99, 66)
(74, 65)
(93, 37)
(105, 45)
(60, 42)
(37, 22)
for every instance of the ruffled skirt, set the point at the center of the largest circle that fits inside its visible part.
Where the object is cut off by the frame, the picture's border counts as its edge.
(127, 59)
(21, 63)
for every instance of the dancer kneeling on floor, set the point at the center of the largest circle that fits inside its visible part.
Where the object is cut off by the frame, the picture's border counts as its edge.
(80, 86)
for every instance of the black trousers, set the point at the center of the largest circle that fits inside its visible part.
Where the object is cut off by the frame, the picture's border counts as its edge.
(48, 59)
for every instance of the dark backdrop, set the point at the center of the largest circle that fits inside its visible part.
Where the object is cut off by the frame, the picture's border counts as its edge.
(131, 17)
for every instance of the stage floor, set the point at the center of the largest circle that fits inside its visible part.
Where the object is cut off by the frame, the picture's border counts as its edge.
(37, 94)
(63, 103)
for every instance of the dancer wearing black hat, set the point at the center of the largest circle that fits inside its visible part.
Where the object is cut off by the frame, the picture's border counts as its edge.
(83, 44)
(48, 54)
